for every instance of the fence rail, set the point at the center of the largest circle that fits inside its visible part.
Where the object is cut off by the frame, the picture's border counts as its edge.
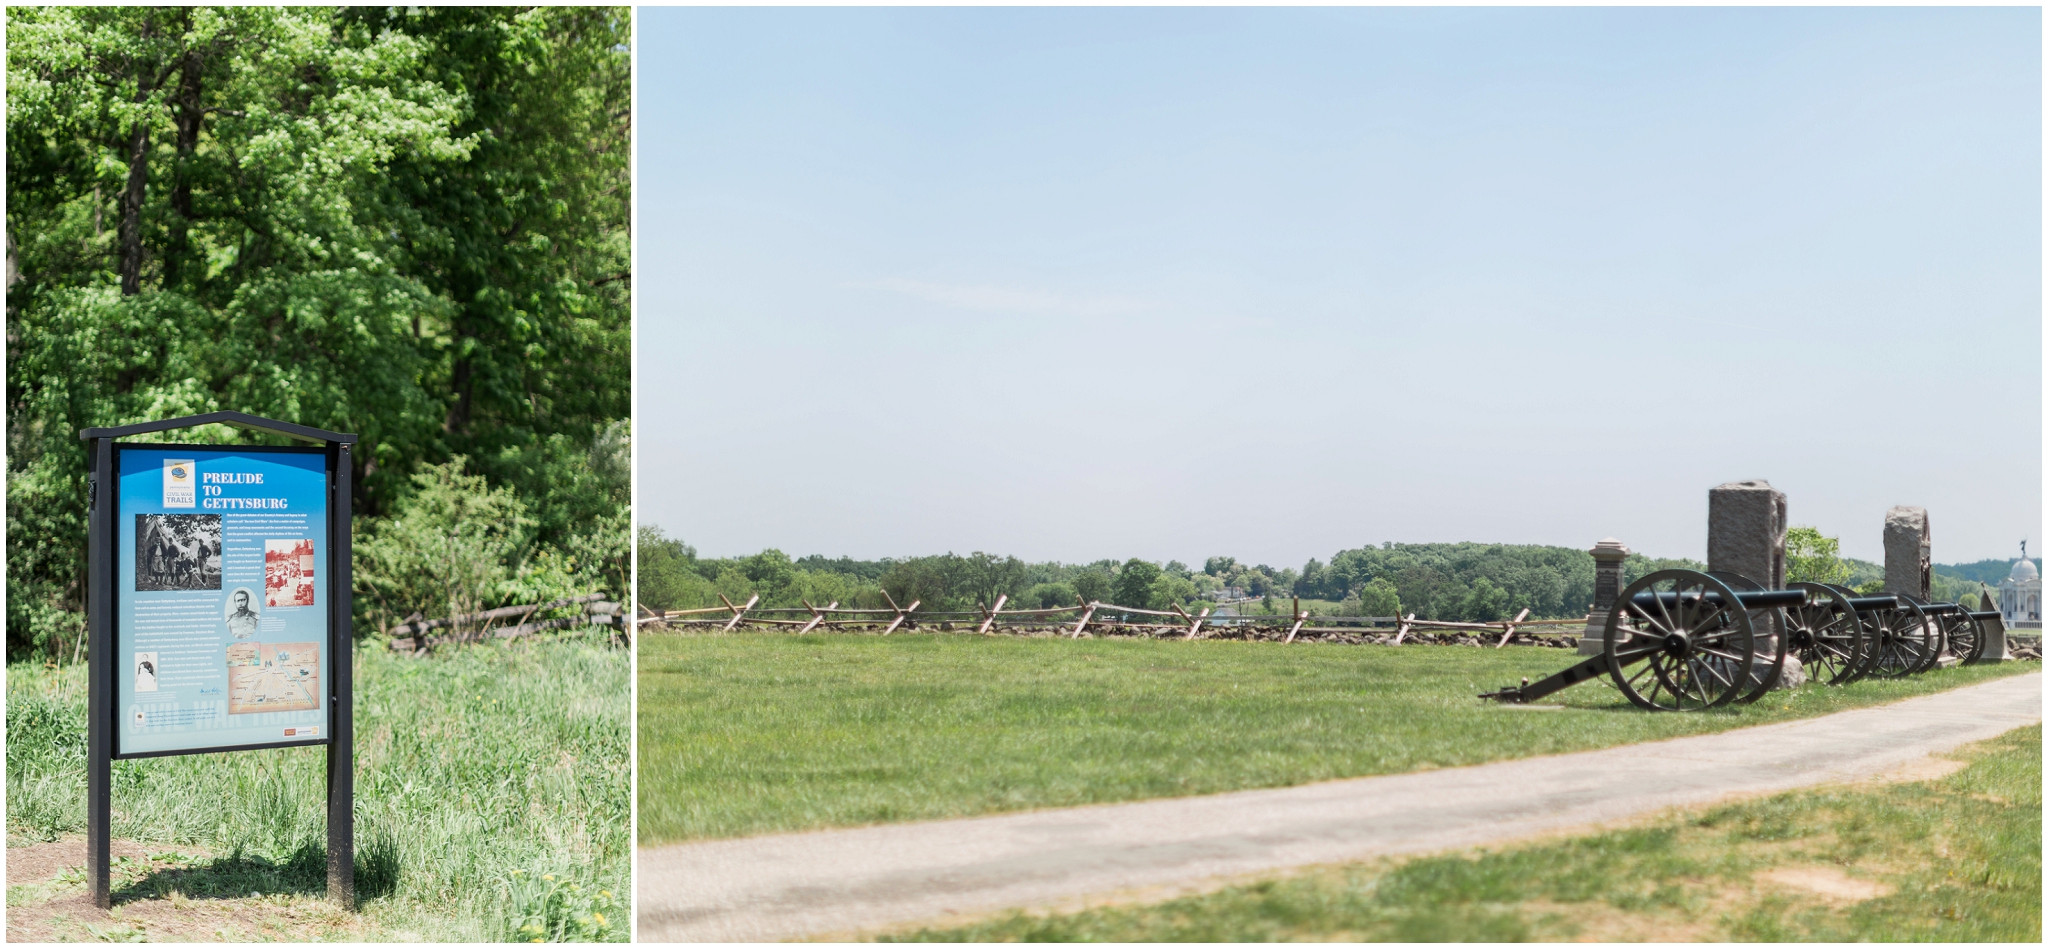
(1084, 614)
(410, 635)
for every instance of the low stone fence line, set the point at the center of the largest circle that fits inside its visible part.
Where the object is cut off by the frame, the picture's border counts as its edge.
(809, 617)
(1109, 630)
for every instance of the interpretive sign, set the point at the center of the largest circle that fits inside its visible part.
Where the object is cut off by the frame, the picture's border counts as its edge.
(218, 605)
(219, 610)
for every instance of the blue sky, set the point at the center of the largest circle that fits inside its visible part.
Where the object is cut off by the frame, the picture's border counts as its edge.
(1173, 283)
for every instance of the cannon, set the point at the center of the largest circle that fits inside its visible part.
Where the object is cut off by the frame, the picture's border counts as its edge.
(1970, 632)
(1961, 629)
(1683, 640)
(1676, 640)
(1828, 634)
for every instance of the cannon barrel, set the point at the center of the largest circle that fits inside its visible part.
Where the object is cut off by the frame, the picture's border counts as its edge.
(1987, 614)
(1871, 604)
(1941, 609)
(1750, 599)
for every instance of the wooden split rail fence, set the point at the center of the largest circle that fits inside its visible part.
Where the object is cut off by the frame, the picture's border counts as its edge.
(809, 617)
(410, 635)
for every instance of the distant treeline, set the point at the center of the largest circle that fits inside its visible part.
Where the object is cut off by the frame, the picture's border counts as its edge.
(1460, 582)
(1951, 583)
(1991, 572)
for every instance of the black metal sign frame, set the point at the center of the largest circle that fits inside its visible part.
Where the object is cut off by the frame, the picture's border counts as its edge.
(103, 491)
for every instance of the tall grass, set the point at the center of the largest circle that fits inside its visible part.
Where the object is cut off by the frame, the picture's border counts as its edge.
(493, 792)
(755, 732)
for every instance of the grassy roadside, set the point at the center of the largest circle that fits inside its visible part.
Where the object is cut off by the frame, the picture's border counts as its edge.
(761, 732)
(492, 786)
(1953, 859)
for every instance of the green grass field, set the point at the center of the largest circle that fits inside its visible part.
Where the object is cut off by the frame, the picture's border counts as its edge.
(493, 792)
(752, 733)
(1955, 859)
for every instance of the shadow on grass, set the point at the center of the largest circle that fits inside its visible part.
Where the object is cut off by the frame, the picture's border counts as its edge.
(239, 875)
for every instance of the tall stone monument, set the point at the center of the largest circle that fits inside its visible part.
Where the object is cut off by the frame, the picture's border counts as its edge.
(1608, 556)
(1746, 535)
(1908, 552)
(1746, 531)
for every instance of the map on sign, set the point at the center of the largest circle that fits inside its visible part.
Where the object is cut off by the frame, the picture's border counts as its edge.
(273, 677)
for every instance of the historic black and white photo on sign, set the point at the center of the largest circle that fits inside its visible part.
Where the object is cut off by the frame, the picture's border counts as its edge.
(177, 552)
(242, 613)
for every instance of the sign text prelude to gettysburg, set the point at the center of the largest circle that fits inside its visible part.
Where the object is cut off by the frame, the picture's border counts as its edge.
(211, 478)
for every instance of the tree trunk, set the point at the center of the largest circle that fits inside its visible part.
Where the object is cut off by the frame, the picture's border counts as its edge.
(188, 113)
(132, 195)
(458, 413)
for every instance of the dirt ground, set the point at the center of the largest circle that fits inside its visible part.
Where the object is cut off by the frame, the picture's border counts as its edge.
(47, 902)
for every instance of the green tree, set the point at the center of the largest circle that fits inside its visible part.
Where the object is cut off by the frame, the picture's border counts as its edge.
(407, 223)
(1045, 596)
(447, 550)
(1134, 582)
(918, 580)
(1093, 587)
(668, 578)
(1379, 598)
(983, 577)
(1813, 558)
(1485, 603)
(1168, 591)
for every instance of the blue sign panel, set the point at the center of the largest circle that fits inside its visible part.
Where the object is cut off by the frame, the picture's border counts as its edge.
(221, 609)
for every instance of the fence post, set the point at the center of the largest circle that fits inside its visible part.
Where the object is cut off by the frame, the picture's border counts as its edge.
(738, 611)
(1001, 598)
(1087, 612)
(817, 615)
(1299, 618)
(1510, 627)
(1401, 628)
(1195, 623)
(902, 613)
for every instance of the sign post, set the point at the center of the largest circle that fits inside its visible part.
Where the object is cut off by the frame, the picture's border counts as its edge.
(219, 610)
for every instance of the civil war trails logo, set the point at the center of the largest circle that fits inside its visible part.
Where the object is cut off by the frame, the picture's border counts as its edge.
(177, 551)
(181, 478)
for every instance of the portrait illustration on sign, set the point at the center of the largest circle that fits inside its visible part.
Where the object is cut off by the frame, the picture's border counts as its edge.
(288, 572)
(145, 672)
(177, 552)
(242, 613)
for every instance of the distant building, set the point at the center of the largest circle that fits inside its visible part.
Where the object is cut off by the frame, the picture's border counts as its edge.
(2019, 597)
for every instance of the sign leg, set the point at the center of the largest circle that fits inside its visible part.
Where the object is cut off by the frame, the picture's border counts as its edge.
(99, 758)
(341, 736)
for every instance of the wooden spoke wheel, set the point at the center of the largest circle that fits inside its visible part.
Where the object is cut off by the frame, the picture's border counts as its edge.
(1966, 637)
(1688, 646)
(1937, 631)
(1769, 665)
(1905, 643)
(1866, 653)
(1825, 635)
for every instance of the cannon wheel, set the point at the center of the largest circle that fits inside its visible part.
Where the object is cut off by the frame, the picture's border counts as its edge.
(1869, 624)
(1687, 656)
(1769, 679)
(1965, 637)
(1937, 630)
(1825, 635)
(1905, 644)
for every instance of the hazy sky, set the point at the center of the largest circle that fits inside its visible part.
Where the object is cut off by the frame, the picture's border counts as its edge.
(1271, 283)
